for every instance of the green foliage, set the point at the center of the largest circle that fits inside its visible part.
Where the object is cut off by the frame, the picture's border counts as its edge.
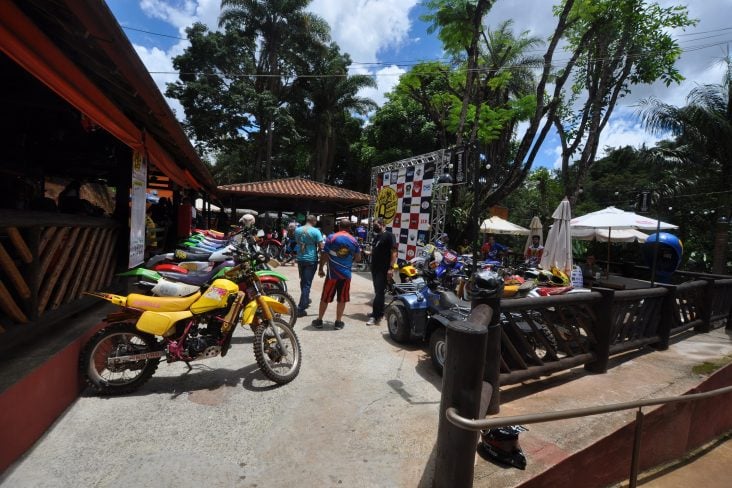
(453, 21)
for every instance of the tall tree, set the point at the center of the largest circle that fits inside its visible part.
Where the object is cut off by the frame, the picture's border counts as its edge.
(284, 34)
(329, 95)
(704, 134)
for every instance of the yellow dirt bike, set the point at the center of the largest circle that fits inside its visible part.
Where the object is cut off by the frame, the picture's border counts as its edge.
(124, 354)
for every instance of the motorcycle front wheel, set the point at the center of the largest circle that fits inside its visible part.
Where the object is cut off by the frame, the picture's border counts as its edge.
(285, 298)
(107, 377)
(277, 351)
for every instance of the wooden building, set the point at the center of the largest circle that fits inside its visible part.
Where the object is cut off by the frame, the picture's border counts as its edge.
(84, 132)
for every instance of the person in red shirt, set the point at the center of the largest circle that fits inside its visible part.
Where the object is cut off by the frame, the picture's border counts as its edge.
(340, 251)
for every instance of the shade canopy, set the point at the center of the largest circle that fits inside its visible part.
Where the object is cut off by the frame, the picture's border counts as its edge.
(605, 235)
(615, 218)
(558, 247)
(497, 225)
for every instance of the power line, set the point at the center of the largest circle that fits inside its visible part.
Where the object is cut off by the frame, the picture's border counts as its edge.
(153, 33)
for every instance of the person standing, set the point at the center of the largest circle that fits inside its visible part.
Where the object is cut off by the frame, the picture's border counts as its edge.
(533, 254)
(309, 243)
(340, 251)
(383, 259)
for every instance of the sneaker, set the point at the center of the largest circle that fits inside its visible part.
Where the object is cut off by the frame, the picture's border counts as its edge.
(301, 313)
(317, 323)
(373, 321)
(338, 325)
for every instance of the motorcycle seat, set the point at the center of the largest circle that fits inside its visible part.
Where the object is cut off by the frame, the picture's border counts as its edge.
(449, 299)
(191, 256)
(162, 304)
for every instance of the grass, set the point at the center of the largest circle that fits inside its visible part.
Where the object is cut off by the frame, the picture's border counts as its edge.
(709, 367)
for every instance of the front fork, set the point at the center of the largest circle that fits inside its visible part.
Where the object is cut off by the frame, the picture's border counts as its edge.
(268, 317)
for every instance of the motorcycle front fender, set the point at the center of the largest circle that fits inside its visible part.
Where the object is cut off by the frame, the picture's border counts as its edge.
(247, 316)
(147, 274)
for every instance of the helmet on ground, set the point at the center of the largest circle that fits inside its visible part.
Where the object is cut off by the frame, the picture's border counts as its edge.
(502, 445)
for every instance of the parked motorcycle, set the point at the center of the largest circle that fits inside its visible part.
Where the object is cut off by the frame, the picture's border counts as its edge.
(124, 354)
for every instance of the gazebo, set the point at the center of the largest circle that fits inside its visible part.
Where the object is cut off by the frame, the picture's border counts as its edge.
(292, 194)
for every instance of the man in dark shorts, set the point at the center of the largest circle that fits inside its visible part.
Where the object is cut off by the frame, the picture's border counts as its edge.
(383, 259)
(340, 250)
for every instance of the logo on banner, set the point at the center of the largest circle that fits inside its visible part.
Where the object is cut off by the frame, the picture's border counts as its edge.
(386, 204)
(417, 188)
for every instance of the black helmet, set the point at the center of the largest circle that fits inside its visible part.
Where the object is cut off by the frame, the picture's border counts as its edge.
(485, 284)
(502, 445)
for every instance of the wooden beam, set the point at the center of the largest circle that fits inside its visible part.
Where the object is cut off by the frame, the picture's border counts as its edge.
(59, 266)
(49, 253)
(59, 296)
(9, 306)
(23, 250)
(8, 265)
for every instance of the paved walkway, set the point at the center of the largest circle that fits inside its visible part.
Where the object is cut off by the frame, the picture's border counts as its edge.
(362, 413)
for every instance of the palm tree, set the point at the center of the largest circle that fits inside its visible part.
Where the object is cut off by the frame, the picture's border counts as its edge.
(703, 128)
(285, 33)
(330, 95)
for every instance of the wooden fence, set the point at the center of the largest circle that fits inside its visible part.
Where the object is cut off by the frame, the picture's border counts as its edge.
(47, 261)
(541, 336)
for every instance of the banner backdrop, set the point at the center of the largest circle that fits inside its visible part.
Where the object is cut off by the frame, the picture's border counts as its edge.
(403, 200)
(138, 197)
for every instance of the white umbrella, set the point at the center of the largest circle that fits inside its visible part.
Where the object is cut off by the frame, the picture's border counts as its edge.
(535, 229)
(497, 225)
(605, 235)
(558, 248)
(614, 218)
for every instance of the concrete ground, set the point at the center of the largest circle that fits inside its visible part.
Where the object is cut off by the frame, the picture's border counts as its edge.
(362, 413)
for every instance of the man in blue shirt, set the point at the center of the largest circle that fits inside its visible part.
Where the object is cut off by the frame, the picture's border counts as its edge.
(309, 242)
(340, 250)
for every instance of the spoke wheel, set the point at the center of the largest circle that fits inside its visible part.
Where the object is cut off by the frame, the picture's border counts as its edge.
(107, 377)
(284, 298)
(279, 362)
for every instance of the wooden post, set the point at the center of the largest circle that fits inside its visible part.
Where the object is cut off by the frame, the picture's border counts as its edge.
(603, 331)
(668, 318)
(707, 301)
(492, 365)
(462, 382)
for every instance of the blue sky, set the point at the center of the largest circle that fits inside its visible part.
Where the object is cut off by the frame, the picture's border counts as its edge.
(386, 35)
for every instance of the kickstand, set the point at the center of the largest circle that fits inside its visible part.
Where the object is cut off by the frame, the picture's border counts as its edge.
(190, 368)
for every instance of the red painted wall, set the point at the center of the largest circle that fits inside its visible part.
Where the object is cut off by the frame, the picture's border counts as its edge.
(668, 433)
(29, 407)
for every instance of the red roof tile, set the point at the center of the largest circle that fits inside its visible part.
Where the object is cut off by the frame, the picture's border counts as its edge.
(297, 187)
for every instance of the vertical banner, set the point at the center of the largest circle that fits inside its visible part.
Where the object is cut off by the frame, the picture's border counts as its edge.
(404, 201)
(138, 199)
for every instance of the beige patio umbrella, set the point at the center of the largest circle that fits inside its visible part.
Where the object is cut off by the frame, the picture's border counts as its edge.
(497, 225)
(535, 229)
(558, 248)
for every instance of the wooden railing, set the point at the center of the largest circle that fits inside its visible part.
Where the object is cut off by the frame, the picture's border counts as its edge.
(48, 260)
(541, 336)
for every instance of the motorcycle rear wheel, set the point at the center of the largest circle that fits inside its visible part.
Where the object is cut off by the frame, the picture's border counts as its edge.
(277, 365)
(117, 340)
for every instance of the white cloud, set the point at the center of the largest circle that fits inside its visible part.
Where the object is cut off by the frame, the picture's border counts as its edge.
(386, 79)
(364, 27)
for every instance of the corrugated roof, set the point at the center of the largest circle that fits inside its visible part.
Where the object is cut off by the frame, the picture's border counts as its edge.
(297, 187)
